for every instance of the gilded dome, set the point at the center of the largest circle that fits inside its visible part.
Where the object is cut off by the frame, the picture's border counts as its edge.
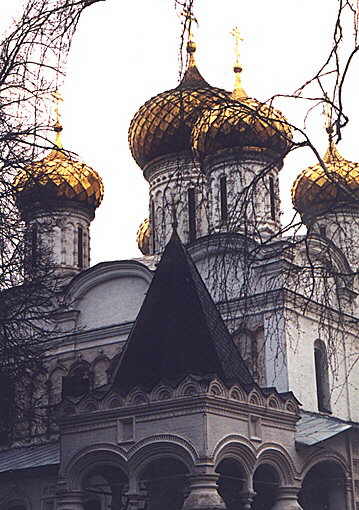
(58, 178)
(143, 237)
(317, 190)
(163, 124)
(242, 122)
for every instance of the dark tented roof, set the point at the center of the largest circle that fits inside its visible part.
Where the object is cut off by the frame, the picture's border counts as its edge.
(179, 330)
(30, 457)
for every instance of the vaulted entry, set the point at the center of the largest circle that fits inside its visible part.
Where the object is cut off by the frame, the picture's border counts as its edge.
(323, 488)
(105, 488)
(265, 485)
(231, 483)
(165, 484)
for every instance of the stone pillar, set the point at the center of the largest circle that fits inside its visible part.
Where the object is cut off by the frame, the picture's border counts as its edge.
(287, 499)
(69, 500)
(135, 501)
(203, 494)
(246, 499)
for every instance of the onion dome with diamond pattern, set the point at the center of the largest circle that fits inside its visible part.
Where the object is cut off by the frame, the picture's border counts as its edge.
(319, 190)
(240, 122)
(58, 180)
(143, 237)
(163, 124)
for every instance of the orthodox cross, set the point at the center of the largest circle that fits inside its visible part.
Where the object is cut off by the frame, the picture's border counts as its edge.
(57, 97)
(237, 41)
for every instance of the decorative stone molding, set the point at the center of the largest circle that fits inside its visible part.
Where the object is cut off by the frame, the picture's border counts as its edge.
(236, 447)
(155, 446)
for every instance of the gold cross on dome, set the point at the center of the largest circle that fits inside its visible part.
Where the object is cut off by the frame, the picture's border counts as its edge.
(237, 41)
(57, 97)
(328, 114)
(187, 19)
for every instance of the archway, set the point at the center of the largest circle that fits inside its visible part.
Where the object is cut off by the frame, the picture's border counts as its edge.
(231, 482)
(323, 488)
(165, 481)
(265, 485)
(104, 487)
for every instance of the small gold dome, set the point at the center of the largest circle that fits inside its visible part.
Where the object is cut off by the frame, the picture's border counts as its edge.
(143, 237)
(163, 124)
(317, 190)
(56, 179)
(240, 121)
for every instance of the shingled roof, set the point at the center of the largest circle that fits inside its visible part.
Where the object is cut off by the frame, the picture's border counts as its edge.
(178, 330)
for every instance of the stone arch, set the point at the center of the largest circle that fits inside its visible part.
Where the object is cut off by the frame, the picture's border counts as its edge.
(238, 448)
(324, 485)
(325, 456)
(88, 459)
(156, 447)
(280, 460)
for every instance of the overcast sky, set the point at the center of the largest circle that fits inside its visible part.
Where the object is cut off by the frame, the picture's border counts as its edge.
(124, 52)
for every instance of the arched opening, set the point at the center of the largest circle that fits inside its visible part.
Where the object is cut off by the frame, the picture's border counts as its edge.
(323, 488)
(265, 485)
(105, 488)
(231, 482)
(80, 247)
(272, 198)
(165, 481)
(223, 199)
(78, 382)
(191, 198)
(322, 376)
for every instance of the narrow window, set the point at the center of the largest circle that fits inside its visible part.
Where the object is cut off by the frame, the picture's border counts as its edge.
(80, 248)
(272, 198)
(34, 243)
(321, 376)
(192, 214)
(223, 195)
(153, 212)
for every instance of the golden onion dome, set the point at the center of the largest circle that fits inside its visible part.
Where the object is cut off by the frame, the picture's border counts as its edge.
(58, 179)
(143, 237)
(163, 124)
(240, 121)
(318, 190)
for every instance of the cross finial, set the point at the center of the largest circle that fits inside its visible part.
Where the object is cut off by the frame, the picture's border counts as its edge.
(328, 113)
(237, 41)
(57, 97)
(187, 21)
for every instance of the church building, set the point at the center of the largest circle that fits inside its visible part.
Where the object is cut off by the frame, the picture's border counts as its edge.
(218, 370)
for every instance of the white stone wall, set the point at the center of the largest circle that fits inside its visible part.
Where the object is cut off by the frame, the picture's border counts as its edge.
(170, 180)
(248, 194)
(57, 238)
(342, 228)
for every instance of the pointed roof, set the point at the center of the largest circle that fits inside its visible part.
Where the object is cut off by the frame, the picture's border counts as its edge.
(178, 331)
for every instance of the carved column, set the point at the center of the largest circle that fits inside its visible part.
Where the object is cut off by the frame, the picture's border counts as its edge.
(203, 494)
(287, 499)
(69, 500)
(136, 501)
(246, 499)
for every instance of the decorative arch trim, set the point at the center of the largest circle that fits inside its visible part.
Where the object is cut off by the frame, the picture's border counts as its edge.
(280, 460)
(87, 459)
(104, 272)
(325, 456)
(161, 445)
(238, 448)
